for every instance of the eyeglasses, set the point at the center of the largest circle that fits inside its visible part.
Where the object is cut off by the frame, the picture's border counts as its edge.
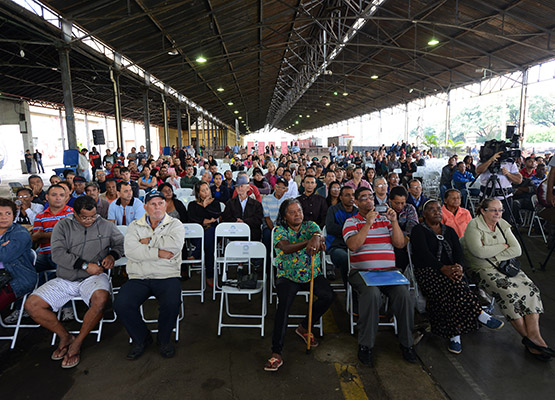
(364, 198)
(495, 209)
(92, 218)
(26, 196)
(381, 185)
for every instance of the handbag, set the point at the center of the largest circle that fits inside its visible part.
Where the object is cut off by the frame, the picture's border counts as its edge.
(509, 267)
(5, 278)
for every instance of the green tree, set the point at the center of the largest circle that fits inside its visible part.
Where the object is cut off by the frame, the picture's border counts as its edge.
(542, 110)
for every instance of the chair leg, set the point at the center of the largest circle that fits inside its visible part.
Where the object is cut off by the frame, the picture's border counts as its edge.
(221, 314)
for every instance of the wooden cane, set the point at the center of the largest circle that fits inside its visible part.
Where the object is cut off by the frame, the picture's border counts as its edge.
(310, 297)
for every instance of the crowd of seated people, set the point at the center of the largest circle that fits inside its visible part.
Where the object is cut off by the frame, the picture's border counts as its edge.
(307, 205)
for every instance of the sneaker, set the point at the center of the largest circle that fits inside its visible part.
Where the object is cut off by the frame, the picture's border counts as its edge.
(67, 314)
(166, 350)
(409, 354)
(365, 356)
(455, 347)
(494, 323)
(13, 317)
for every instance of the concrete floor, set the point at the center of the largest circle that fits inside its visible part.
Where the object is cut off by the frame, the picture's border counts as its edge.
(493, 365)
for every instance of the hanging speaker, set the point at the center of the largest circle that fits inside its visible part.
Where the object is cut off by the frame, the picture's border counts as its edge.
(98, 136)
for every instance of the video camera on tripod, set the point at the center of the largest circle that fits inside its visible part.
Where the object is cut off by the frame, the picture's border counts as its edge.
(510, 150)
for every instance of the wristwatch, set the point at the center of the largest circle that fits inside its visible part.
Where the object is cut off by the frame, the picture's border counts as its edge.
(85, 266)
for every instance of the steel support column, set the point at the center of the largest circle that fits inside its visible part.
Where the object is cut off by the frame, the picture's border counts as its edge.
(179, 133)
(523, 101)
(448, 117)
(189, 126)
(68, 97)
(114, 77)
(197, 144)
(147, 120)
(166, 131)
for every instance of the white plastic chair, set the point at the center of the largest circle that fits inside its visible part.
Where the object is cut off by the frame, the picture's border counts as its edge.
(183, 192)
(537, 218)
(337, 287)
(142, 194)
(235, 251)
(226, 230)
(195, 231)
(18, 325)
(97, 331)
(155, 321)
(352, 322)
(234, 174)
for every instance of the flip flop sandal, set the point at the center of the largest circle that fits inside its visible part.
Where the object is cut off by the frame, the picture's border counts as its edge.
(76, 363)
(273, 364)
(61, 356)
(304, 336)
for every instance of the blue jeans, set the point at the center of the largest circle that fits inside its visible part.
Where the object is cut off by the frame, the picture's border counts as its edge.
(135, 292)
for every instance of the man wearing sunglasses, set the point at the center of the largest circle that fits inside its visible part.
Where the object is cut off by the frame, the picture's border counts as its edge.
(84, 246)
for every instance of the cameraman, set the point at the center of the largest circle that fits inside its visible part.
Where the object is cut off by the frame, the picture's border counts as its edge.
(508, 174)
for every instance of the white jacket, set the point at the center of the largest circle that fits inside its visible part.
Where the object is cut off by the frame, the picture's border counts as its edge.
(143, 261)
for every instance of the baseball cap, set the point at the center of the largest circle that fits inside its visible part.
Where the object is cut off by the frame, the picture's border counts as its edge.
(79, 179)
(242, 180)
(153, 194)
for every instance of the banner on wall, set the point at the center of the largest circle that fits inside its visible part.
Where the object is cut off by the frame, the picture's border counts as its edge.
(283, 147)
(261, 147)
(250, 146)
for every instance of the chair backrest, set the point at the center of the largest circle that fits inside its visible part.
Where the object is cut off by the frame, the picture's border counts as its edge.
(240, 249)
(142, 193)
(234, 174)
(183, 192)
(122, 229)
(193, 231)
(222, 206)
(233, 229)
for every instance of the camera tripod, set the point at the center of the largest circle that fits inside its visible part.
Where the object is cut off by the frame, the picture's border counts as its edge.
(491, 183)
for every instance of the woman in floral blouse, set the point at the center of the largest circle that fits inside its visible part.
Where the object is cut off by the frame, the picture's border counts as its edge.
(296, 242)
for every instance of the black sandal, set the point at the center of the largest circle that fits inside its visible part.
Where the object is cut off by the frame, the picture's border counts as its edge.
(545, 350)
(541, 357)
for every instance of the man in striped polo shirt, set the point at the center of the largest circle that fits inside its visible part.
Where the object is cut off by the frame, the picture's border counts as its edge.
(44, 223)
(370, 237)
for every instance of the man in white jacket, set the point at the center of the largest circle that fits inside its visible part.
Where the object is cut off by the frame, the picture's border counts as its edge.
(153, 246)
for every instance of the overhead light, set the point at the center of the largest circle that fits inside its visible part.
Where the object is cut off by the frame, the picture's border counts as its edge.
(21, 53)
(296, 122)
(173, 52)
(411, 90)
(201, 59)
(300, 115)
(235, 112)
(240, 117)
(374, 76)
(327, 104)
(220, 89)
(335, 93)
(307, 115)
(345, 94)
(433, 41)
(230, 103)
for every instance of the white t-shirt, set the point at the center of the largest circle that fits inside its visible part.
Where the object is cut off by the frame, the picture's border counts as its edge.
(503, 180)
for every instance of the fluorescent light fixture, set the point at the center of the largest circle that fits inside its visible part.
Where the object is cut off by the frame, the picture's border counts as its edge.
(201, 59)
(327, 104)
(220, 89)
(235, 112)
(345, 94)
(230, 103)
(374, 76)
(173, 52)
(433, 41)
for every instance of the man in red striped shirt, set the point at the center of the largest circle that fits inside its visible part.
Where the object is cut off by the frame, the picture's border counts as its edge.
(370, 237)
